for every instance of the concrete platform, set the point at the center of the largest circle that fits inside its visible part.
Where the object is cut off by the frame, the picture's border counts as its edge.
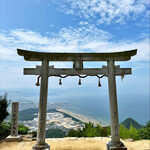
(14, 138)
(41, 147)
(117, 147)
(71, 143)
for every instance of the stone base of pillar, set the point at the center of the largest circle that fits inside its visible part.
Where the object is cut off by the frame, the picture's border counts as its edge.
(13, 138)
(41, 147)
(115, 146)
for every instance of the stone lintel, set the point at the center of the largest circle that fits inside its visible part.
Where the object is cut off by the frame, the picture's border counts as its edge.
(39, 56)
(91, 71)
(17, 138)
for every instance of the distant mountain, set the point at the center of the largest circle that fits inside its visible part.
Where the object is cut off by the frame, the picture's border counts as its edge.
(130, 121)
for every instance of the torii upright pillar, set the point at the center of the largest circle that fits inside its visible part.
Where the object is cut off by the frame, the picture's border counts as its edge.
(115, 136)
(41, 145)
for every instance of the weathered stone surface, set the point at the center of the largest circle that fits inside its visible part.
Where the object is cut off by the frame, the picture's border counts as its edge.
(14, 137)
(17, 138)
(115, 146)
(14, 119)
(41, 147)
(65, 71)
(78, 59)
(39, 56)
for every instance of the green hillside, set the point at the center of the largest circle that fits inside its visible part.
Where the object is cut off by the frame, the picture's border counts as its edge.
(130, 121)
(31, 113)
(55, 133)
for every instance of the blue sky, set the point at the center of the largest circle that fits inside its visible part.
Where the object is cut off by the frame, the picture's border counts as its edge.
(73, 26)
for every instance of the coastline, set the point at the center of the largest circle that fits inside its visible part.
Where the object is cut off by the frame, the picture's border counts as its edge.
(82, 118)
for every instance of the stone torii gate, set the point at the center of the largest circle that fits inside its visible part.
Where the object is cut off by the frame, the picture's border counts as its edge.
(78, 58)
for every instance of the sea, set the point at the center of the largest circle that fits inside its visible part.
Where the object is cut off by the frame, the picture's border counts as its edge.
(98, 108)
(93, 106)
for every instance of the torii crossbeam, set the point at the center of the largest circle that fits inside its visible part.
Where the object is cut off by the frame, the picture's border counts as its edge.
(78, 58)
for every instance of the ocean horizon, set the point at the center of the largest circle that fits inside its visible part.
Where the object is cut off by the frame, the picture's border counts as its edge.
(98, 109)
(92, 106)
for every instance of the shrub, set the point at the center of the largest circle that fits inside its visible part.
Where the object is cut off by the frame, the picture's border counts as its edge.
(134, 133)
(124, 132)
(89, 130)
(145, 131)
(5, 128)
(22, 129)
(3, 107)
(55, 133)
(72, 133)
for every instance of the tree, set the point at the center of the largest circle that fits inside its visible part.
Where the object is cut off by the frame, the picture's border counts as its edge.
(72, 133)
(145, 131)
(89, 130)
(5, 128)
(3, 107)
(55, 133)
(124, 132)
(133, 133)
(22, 129)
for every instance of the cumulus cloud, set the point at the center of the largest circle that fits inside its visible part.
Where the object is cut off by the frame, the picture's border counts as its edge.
(85, 38)
(110, 11)
(66, 40)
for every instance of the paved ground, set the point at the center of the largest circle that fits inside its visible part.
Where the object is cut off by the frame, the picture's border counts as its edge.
(74, 144)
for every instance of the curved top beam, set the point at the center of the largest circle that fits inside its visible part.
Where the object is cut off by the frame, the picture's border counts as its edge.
(39, 56)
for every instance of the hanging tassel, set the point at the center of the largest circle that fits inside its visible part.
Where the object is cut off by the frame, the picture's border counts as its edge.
(79, 82)
(122, 76)
(37, 83)
(99, 83)
(60, 83)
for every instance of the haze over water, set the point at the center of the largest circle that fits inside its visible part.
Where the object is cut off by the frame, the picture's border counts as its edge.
(98, 108)
(93, 106)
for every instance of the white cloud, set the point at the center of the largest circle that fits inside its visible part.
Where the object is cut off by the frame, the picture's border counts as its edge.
(86, 38)
(66, 40)
(110, 11)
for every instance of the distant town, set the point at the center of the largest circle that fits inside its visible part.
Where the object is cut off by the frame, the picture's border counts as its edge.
(28, 116)
(54, 120)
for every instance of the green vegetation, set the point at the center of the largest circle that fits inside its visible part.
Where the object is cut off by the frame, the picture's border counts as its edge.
(27, 114)
(145, 131)
(89, 130)
(3, 107)
(5, 129)
(97, 131)
(128, 128)
(129, 133)
(127, 123)
(55, 133)
(22, 129)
